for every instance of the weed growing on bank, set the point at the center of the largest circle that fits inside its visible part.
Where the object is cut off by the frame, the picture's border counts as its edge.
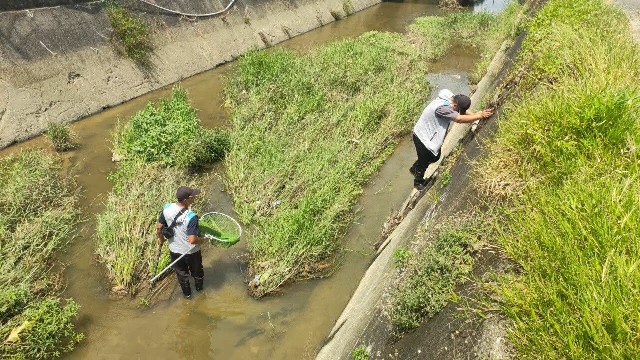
(38, 216)
(430, 276)
(565, 164)
(61, 136)
(131, 32)
(360, 353)
(308, 131)
(161, 146)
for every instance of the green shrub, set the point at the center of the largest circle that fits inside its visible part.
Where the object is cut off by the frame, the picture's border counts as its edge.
(48, 330)
(430, 278)
(131, 32)
(38, 216)
(13, 300)
(170, 134)
(360, 353)
(61, 136)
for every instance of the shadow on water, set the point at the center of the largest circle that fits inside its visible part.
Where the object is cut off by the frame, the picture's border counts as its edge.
(222, 321)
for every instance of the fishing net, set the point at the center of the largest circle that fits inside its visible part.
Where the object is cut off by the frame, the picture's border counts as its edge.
(220, 228)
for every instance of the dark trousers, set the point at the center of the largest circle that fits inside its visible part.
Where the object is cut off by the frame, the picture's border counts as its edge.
(425, 158)
(190, 264)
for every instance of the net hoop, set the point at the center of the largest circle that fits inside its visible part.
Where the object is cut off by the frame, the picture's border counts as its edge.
(211, 237)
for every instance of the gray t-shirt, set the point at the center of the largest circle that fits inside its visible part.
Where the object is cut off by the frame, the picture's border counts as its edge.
(446, 112)
(432, 125)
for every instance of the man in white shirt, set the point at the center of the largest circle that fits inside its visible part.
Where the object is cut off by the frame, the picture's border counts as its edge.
(429, 131)
(185, 238)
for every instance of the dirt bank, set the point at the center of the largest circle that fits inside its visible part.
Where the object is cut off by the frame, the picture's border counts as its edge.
(58, 64)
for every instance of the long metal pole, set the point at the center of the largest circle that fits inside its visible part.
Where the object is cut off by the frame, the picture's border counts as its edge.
(170, 265)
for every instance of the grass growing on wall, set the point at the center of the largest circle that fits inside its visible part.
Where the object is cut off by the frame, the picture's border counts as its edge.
(161, 146)
(565, 160)
(131, 32)
(429, 277)
(38, 216)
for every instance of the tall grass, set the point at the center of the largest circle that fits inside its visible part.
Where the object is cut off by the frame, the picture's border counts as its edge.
(126, 233)
(38, 216)
(161, 145)
(565, 160)
(310, 129)
(308, 132)
(429, 277)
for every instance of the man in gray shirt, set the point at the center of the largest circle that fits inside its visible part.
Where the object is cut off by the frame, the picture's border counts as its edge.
(429, 131)
(185, 238)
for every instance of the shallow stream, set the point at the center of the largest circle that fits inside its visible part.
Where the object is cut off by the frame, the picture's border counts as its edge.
(224, 322)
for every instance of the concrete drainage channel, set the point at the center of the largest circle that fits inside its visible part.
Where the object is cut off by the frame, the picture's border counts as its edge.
(363, 312)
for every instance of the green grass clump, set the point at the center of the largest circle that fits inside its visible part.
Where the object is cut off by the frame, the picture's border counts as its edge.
(565, 162)
(161, 145)
(170, 134)
(308, 131)
(132, 32)
(38, 216)
(430, 277)
(360, 353)
(125, 232)
(61, 136)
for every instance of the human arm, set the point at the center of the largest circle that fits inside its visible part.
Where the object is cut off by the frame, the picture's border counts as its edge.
(193, 231)
(470, 117)
(162, 222)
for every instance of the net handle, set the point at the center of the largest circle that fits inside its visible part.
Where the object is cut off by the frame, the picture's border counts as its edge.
(227, 216)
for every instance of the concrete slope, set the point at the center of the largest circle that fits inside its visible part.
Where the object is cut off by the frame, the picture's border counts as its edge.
(58, 64)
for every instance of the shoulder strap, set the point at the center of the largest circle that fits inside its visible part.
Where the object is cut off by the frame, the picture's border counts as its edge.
(177, 216)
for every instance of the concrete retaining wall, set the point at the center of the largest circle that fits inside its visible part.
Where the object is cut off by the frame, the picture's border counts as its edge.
(59, 65)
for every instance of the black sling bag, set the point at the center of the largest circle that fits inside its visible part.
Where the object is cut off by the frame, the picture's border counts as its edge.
(167, 232)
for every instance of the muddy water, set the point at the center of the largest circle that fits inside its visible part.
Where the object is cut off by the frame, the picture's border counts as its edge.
(223, 322)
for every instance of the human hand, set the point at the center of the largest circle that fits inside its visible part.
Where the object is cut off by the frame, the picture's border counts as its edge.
(486, 113)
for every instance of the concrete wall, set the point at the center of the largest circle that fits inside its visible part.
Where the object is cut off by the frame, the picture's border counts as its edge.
(59, 64)
(29, 4)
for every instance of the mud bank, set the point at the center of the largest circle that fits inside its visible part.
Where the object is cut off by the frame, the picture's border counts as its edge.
(58, 64)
